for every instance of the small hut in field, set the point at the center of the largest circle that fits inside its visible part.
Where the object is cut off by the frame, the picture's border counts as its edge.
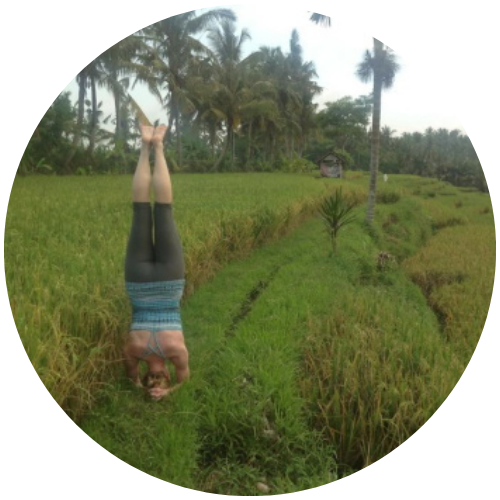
(331, 166)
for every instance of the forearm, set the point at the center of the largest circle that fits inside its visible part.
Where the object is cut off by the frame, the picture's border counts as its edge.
(132, 371)
(182, 374)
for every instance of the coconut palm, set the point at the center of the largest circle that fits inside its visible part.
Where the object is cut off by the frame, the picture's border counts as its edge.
(259, 109)
(381, 67)
(119, 63)
(174, 45)
(284, 73)
(301, 76)
(93, 78)
(82, 80)
(230, 72)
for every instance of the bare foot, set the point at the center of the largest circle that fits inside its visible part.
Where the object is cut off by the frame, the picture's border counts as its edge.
(147, 133)
(159, 134)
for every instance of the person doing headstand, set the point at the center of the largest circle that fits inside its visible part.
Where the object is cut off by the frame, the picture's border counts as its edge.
(154, 275)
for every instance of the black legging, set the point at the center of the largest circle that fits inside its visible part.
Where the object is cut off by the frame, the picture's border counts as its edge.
(162, 260)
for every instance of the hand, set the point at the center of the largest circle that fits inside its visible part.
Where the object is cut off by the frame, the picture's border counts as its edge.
(157, 393)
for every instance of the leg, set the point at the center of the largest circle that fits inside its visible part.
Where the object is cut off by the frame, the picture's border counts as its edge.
(140, 251)
(168, 248)
(161, 177)
(142, 177)
(169, 257)
(131, 367)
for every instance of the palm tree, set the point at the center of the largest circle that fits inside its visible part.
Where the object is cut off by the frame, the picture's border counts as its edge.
(82, 81)
(301, 76)
(381, 66)
(174, 45)
(230, 75)
(209, 118)
(119, 63)
(93, 76)
(291, 78)
(259, 109)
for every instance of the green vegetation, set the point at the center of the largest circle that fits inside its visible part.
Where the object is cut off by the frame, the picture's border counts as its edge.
(233, 111)
(306, 366)
(335, 212)
(65, 246)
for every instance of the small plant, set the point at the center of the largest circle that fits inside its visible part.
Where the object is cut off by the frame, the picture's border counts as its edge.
(41, 166)
(85, 170)
(335, 212)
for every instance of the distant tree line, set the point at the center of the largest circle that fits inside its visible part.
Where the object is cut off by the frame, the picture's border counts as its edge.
(226, 112)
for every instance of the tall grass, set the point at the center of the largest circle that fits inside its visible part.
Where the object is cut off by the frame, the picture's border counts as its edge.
(305, 367)
(65, 241)
(392, 349)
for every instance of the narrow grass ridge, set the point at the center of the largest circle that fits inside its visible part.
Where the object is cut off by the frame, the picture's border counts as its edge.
(252, 296)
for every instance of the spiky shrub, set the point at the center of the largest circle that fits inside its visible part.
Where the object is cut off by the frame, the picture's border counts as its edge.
(336, 212)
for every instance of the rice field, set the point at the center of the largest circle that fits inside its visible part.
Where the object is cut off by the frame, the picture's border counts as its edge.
(65, 247)
(307, 366)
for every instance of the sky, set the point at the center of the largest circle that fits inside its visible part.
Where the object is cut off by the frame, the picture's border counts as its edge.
(414, 102)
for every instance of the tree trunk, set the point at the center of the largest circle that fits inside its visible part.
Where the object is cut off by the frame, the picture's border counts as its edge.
(227, 143)
(178, 134)
(170, 123)
(93, 119)
(118, 135)
(249, 146)
(232, 147)
(212, 134)
(77, 137)
(375, 145)
(223, 153)
(378, 55)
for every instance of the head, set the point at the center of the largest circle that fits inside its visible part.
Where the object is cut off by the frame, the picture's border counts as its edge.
(154, 379)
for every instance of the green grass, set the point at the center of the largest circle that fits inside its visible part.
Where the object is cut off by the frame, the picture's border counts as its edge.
(65, 247)
(306, 366)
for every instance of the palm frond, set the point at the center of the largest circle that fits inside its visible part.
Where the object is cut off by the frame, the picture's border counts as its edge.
(391, 67)
(365, 68)
(207, 19)
(321, 20)
(141, 116)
